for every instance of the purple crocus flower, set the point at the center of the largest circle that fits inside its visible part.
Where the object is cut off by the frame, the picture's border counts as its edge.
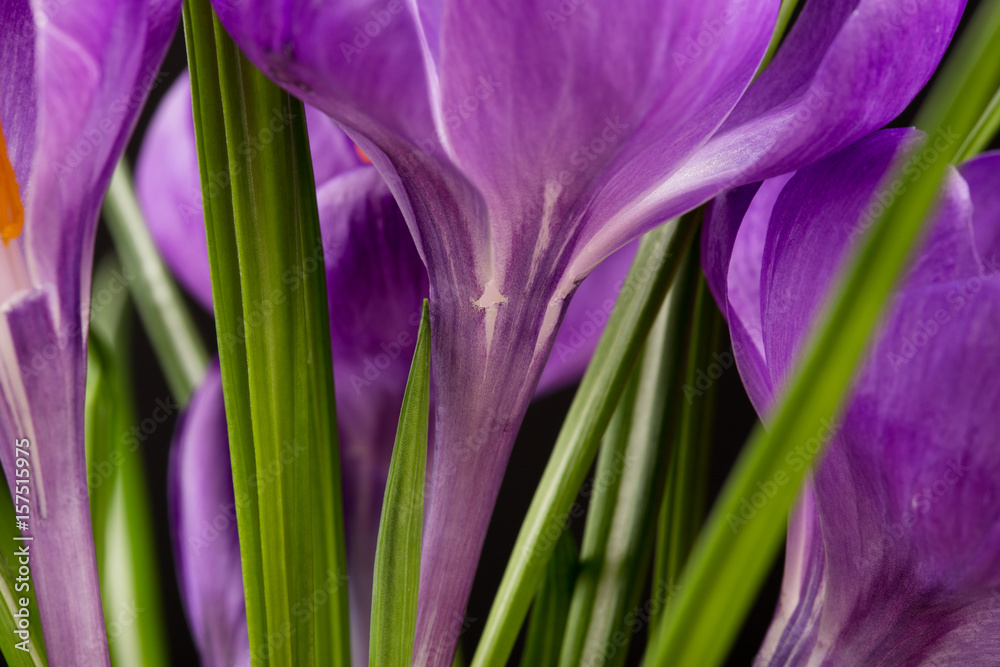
(73, 77)
(526, 141)
(376, 284)
(893, 553)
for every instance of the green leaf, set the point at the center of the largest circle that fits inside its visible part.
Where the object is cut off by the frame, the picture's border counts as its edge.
(551, 607)
(780, 30)
(728, 562)
(163, 312)
(618, 542)
(984, 131)
(612, 464)
(127, 556)
(685, 496)
(274, 342)
(397, 557)
(655, 265)
(227, 302)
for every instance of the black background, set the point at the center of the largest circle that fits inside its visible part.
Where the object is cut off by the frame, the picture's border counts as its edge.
(734, 419)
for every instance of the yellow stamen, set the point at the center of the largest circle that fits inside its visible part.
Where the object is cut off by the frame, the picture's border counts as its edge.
(11, 210)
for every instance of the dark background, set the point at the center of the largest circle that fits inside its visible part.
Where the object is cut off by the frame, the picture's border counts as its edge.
(734, 419)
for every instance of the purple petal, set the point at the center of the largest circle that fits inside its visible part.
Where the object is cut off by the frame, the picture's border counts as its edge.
(981, 175)
(81, 76)
(839, 75)
(205, 536)
(17, 83)
(169, 189)
(44, 405)
(584, 322)
(905, 565)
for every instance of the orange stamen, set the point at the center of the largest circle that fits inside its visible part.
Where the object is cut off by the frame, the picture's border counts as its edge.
(361, 154)
(11, 210)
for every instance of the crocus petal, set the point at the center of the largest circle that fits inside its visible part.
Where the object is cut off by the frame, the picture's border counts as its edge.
(17, 84)
(836, 77)
(584, 322)
(83, 72)
(892, 553)
(981, 174)
(203, 521)
(169, 189)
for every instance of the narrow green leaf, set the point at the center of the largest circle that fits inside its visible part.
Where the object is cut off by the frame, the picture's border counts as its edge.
(731, 558)
(397, 557)
(685, 499)
(120, 506)
(612, 464)
(227, 302)
(164, 314)
(983, 133)
(780, 29)
(607, 609)
(551, 607)
(283, 321)
(639, 301)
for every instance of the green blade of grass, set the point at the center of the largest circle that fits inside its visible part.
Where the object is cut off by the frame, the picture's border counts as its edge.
(120, 503)
(269, 289)
(227, 302)
(397, 557)
(161, 307)
(550, 610)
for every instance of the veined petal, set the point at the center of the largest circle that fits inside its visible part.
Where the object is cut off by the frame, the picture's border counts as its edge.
(86, 69)
(610, 101)
(584, 322)
(847, 68)
(43, 377)
(203, 522)
(907, 495)
(981, 175)
(18, 89)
